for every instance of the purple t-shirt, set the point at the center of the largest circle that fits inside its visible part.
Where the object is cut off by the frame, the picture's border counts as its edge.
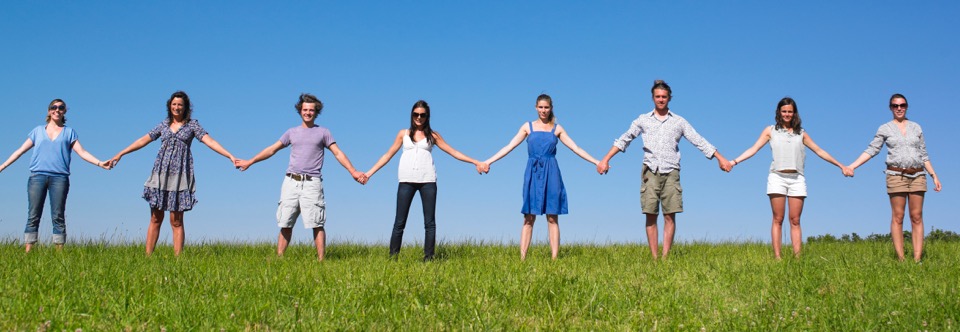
(306, 148)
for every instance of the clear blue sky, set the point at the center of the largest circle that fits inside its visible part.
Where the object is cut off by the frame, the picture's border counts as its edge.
(480, 65)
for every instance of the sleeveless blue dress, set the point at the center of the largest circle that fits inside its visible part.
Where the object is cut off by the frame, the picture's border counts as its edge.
(543, 191)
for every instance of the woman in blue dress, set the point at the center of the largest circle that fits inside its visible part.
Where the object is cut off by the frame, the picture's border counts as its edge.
(170, 186)
(543, 191)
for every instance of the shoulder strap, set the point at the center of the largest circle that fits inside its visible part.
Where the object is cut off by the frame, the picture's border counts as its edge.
(531, 125)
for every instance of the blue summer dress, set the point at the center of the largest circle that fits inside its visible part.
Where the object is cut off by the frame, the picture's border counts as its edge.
(171, 183)
(543, 191)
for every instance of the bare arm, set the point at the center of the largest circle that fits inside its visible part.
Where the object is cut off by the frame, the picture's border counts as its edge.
(936, 180)
(78, 148)
(764, 138)
(216, 147)
(136, 145)
(517, 139)
(16, 154)
(345, 162)
(862, 159)
(442, 144)
(263, 155)
(568, 141)
(808, 141)
(385, 158)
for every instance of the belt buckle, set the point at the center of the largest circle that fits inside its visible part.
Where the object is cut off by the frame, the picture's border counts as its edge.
(298, 177)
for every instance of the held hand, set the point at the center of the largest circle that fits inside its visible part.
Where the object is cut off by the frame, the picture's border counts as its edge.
(847, 171)
(359, 177)
(603, 167)
(483, 168)
(105, 165)
(114, 161)
(242, 165)
(724, 166)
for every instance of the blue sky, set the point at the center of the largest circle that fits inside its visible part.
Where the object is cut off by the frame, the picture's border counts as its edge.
(480, 65)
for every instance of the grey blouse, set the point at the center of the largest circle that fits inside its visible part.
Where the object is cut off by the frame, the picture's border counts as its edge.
(903, 151)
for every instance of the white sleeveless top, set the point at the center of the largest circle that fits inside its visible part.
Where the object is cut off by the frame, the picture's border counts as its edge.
(788, 150)
(416, 162)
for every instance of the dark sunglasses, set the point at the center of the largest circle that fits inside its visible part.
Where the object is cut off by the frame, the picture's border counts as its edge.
(895, 106)
(420, 115)
(58, 107)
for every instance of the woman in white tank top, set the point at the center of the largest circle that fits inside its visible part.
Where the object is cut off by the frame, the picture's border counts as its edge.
(417, 173)
(785, 180)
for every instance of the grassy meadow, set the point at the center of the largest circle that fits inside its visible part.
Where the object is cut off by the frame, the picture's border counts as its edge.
(95, 286)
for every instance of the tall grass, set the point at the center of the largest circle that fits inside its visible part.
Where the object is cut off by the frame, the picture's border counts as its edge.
(475, 286)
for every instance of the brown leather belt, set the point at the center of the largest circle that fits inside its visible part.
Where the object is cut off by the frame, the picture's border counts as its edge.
(300, 177)
(908, 171)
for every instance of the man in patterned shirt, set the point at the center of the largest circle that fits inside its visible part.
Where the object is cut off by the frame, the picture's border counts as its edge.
(661, 131)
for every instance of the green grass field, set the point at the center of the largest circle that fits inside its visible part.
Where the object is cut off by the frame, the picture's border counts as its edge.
(730, 287)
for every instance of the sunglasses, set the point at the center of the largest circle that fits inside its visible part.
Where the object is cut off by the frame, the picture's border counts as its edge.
(896, 106)
(419, 115)
(58, 107)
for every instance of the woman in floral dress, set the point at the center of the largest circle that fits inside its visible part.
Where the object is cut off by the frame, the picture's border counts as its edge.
(170, 186)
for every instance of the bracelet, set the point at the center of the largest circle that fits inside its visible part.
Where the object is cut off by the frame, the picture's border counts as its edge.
(735, 162)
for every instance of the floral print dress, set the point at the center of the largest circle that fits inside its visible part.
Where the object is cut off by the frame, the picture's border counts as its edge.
(171, 184)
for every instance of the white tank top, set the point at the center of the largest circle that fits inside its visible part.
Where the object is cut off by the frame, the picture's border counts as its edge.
(788, 150)
(416, 162)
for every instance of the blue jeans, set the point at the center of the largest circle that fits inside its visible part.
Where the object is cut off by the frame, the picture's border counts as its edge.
(39, 186)
(428, 197)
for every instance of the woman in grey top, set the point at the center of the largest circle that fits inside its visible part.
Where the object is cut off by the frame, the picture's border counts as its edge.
(907, 167)
(786, 181)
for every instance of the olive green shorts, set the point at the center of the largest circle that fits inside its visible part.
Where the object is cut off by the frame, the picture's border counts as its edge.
(661, 190)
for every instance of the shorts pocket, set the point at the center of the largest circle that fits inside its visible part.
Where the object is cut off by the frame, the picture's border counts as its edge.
(318, 214)
(285, 213)
(679, 189)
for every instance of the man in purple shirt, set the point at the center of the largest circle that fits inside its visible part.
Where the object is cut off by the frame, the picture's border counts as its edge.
(302, 189)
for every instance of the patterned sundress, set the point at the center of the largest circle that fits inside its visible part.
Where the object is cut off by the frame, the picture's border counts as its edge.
(171, 183)
(543, 191)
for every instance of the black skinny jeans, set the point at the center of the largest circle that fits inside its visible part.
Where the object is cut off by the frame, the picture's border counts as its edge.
(428, 197)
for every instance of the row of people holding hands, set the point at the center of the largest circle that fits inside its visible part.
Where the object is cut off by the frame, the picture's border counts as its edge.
(170, 186)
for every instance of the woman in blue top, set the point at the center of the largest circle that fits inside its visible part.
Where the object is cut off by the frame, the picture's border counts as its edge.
(786, 181)
(170, 186)
(50, 171)
(543, 191)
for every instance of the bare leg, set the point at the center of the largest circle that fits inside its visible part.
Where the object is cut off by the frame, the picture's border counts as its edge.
(796, 236)
(897, 203)
(320, 239)
(283, 240)
(153, 229)
(28, 246)
(553, 231)
(176, 225)
(652, 234)
(916, 224)
(526, 234)
(778, 206)
(669, 228)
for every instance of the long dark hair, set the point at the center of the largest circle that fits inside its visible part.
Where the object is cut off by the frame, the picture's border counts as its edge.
(427, 132)
(187, 107)
(795, 122)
